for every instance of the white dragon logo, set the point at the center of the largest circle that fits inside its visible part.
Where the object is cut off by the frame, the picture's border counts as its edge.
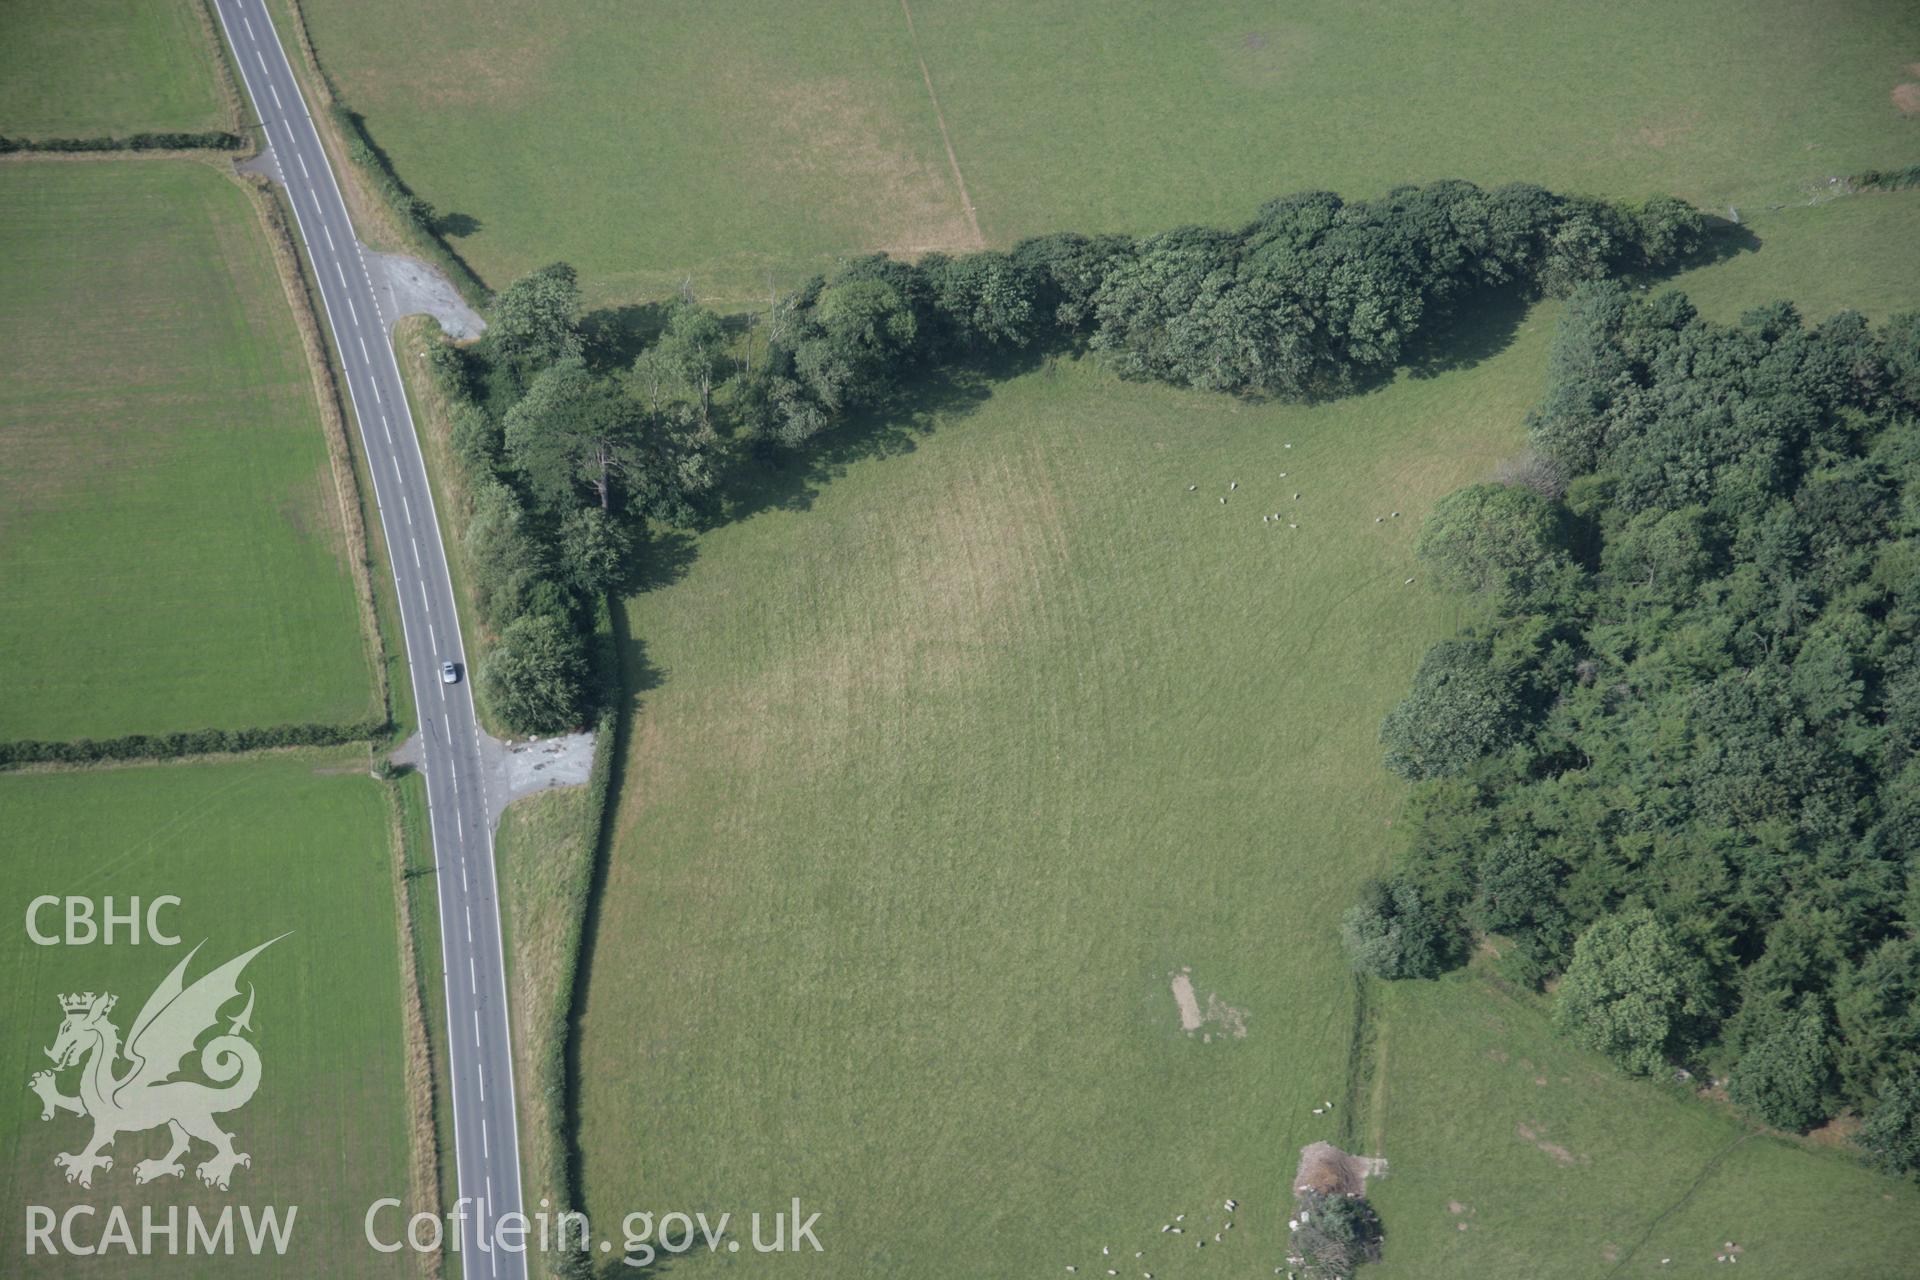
(146, 1096)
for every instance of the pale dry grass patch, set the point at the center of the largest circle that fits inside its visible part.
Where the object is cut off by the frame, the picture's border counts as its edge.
(833, 134)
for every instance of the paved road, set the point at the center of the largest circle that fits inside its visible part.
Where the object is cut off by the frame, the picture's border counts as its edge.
(487, 1148)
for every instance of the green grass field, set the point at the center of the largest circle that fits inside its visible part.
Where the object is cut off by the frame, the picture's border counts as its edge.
(171, 530)
(1849, 253)
(294, 844)
(956, 754)
(951, 753)
(81, 68)
(958, 759)
(1515, 1154)
(728, 141)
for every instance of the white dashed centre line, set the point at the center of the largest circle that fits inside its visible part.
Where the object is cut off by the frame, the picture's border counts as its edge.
(341, 273)
(355, 312)
(416, 555)
(304, 171)
(363, 350)
(249, 22)
(329, 235)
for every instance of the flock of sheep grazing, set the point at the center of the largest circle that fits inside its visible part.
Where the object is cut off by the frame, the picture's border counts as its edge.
(1275, 518)
(1177, 1227)
(1174, 1228)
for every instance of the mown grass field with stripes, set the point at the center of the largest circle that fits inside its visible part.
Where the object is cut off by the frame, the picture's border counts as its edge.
(172, 531)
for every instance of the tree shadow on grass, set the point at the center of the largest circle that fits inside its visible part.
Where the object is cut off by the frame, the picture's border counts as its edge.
(459, 225)
(759, 480)
(659, 559)
(1484, 323)
(1480, 328)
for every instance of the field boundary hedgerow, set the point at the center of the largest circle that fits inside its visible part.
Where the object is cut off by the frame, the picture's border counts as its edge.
(1885, 179)
(205, 140)
(188, 742)
(555, 1108)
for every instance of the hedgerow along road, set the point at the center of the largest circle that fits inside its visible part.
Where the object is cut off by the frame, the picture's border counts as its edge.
(486, 1141)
